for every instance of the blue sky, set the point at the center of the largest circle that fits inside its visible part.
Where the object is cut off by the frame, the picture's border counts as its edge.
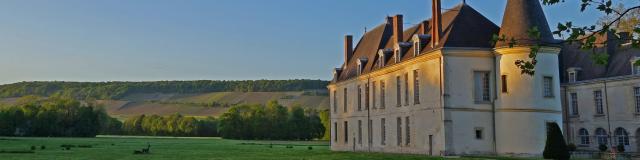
(144, 40)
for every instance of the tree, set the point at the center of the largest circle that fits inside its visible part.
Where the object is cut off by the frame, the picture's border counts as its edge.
(556, 147)
(585, 36)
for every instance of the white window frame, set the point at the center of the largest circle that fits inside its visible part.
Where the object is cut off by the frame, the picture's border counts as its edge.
(584, 137)
(636, 94)
(597, 98)
(483, 96)
(573, 101)
(547, 86)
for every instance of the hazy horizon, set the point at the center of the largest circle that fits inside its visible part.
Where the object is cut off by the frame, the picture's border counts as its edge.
(97, 41)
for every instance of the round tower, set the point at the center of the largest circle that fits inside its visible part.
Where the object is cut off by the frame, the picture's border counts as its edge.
(526, 103)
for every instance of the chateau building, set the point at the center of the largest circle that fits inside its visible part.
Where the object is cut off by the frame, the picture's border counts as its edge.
(442, 88)
(602, 102)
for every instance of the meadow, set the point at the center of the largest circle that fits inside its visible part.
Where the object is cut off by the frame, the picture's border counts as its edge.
(115, 147)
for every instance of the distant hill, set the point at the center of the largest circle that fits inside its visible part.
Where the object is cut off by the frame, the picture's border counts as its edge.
(192, 98)
(118, 90)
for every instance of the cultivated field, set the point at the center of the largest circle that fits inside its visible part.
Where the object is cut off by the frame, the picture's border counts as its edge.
(177, 148)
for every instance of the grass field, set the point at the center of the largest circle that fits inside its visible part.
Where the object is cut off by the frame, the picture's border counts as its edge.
(179, 148)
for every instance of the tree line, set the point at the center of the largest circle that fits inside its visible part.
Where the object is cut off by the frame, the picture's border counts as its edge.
(64, 117)
(174, 125)
(271, 122)
(55, 117)
(118, 90)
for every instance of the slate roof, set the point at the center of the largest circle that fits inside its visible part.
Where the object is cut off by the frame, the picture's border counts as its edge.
(520, 16)
(462, 26)
(619, 62)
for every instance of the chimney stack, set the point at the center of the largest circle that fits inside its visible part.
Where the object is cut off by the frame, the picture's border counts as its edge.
(397, 29)
(348, 48)
(424, 27)
(436, 22)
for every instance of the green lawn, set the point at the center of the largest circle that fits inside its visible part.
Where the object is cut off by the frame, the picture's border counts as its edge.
(178, 148)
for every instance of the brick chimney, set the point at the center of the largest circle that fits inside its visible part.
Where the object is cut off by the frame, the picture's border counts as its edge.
(397, 29)
(348, 48)
(436, 22)
(424, 27)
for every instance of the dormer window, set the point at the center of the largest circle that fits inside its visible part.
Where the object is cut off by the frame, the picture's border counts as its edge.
(382, 57)
(416, 48)
(572, 74)
(361, 63)
(336, 73)
(635, 69)
(419, 43)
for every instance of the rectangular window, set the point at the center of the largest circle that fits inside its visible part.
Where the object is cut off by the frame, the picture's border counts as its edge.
(504, 83)
(359, 98)
(398, 92)
(370, 131)
(572, 77)
(574, 104)
(548, 86)
(479, 135)
(416, 87)
(373, 96)
(597, 96)
(482, 90)
(335, 102)
(359, 131)
(416, 48)
(366, 96)
(346, 132)
(407, 132)
(335, 131)
(406, 89)
(383, 132)
(344, 100)
(636, 91)
(399, 130)
(383, 92)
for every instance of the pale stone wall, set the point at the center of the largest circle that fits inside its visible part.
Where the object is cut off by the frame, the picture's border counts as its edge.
(425, 118)
(619, 110)
(523, 111)
(463, 114)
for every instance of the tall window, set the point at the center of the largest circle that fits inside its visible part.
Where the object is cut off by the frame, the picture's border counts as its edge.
(584, 137)
(399, 130)
(359, 98)
(398, 92)
(597, 96)
(479, 134)
(574, 104)
(601, 136)
(572, 77)
(383, 93)
(383, 132)
(359, 131)
(416, 48)
(503, 80)
(370, 131)
(481, 87)
(548, 86)
(373, 96)
(344, 100)
(407, 132)
(335, 131)
(346, 132)
(366, 95)
(621, 136)
(335, 102)
(416, 87)
(636, 92)
(406, 89)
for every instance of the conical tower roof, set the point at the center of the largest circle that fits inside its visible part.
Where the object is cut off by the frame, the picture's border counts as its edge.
(520, 16)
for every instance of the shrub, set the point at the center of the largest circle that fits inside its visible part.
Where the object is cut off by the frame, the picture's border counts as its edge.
(603, 148)
(556, 147)
(33, 147)
(572, 147)
(620, 148)
(310, 148)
